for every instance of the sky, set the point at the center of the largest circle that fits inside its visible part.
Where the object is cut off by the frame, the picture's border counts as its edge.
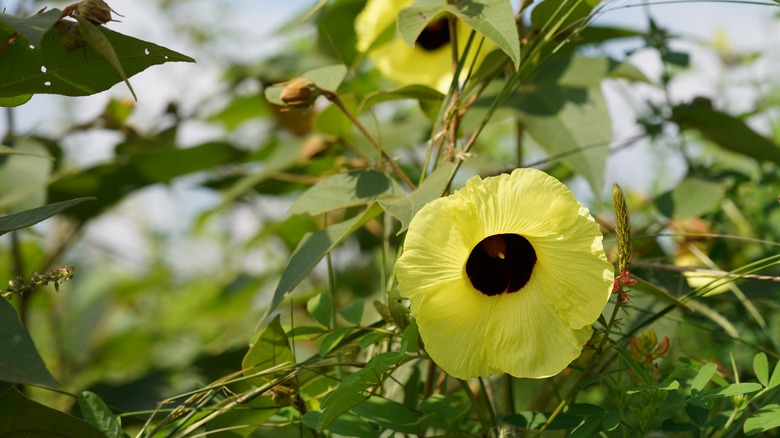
(246, 33)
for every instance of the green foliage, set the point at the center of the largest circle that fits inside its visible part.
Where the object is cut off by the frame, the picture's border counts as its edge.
(260, 327)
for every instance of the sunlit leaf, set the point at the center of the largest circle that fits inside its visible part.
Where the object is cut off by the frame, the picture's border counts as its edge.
(703, 376)
(342, 190)
(15, 100)
(766, 418)
(320, 308)
(333, 339)
(354, 312)
(691, 198)
(268, 349)
(569, 123)
(761, 368)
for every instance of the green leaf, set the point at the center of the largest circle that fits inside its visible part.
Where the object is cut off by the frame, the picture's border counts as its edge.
(23, 417)
(313, 248)
(672, 385)
(348, 424)
(691, 198)
(727, 132)
(96, 413)
(584, 71)
(404, 208)
(19, 361)
(342, 190)
(584, 409)
(328, 77)
(350, 392)
(561, 15)
(320, 308)
(388, 414)
(418, 92)
(267, 349)
(252, 415)
(33, 28)
(635, 366)
(733, 389)
(492, 18)
(354, 312)
(410, 340)
(15, 100)
(761, 368)
(589, 426)
(703, 376)
(766, 418)
(611, 421)
(774, 381)
(100, 44)
(325, 78)
(53, 69)
(5, 150)
(31, 217)
(447, 412)
(332, 340)
(570, 123)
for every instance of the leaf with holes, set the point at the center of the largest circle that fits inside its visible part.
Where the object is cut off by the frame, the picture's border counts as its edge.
(81, 71)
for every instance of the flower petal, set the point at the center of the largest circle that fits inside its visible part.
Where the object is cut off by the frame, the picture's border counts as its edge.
(528, 338)
(573, 271)
(533, 332)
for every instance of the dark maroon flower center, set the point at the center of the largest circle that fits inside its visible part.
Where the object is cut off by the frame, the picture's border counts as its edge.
(501, 263)
(435, 35)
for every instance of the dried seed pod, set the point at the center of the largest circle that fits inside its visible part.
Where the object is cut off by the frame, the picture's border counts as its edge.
(96, 11)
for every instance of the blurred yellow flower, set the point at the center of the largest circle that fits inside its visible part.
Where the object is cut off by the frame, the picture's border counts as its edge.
(505, 275)
(428, 63)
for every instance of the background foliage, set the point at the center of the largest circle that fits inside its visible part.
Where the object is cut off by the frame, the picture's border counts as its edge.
(280, 317)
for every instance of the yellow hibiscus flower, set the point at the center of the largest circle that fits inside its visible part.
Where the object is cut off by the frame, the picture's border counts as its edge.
(428, 63)
(505, 276)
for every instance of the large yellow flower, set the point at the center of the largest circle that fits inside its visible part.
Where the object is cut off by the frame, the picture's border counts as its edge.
(428, 63)
(505, 275)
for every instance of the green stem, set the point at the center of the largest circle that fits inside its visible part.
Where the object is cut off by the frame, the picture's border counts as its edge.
(333, 97)
(483, 420)
(586, 370)
(488, 405)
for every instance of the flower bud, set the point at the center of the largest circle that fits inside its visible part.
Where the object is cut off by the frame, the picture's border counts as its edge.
(299, 93)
